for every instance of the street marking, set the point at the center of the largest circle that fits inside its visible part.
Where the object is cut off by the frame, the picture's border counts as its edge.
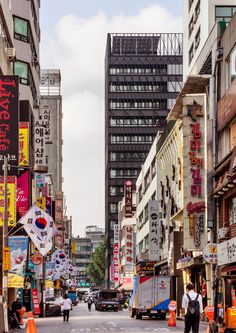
(112, 323)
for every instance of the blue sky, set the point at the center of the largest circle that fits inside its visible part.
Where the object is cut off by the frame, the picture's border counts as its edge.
(73, 39)
(52, 10)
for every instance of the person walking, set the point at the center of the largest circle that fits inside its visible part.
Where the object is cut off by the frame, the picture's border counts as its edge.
(192, 303)
(90, 301)
(66, 308)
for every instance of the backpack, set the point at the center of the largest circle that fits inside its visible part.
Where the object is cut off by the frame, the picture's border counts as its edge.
(193, 306)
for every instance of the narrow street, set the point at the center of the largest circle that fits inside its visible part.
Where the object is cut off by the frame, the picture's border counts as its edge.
(83, 321)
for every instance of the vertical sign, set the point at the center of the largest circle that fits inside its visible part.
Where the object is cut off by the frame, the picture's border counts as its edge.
(22, 193)
(116, 253)
(59, 238)
(129, 244)
(35, 301)
(24, 144)
(11, 199)
(7, 258)
(194, 171)
(128, 198)
(154, 230)
(42, 134)
(9, 115)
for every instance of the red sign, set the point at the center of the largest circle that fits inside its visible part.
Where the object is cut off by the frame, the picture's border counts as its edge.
(22, 193)
(116, 262)
(35, 301)
(128, 198)
(9, 115)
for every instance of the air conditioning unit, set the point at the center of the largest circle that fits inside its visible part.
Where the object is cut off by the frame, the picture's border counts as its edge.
(10, 53)
(222, 233)
(219, 53)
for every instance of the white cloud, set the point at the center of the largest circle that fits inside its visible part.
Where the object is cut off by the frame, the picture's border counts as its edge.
(77, 48)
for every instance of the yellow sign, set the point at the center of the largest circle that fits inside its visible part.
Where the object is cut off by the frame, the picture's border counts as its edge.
(24, 144)
(11, 200)
(15, 281)
(74, 247)
(7, 258)
(49, 284)
(41, 203)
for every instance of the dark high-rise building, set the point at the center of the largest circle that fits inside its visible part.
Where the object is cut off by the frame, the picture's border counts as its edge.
(143, 76)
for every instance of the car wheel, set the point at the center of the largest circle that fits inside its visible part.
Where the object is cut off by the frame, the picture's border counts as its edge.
(138, 315)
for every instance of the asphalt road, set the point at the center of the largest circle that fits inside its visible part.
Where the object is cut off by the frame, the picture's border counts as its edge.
(81, 320)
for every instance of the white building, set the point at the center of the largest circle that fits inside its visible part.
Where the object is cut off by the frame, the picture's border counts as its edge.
(146, 190)
(199, 19)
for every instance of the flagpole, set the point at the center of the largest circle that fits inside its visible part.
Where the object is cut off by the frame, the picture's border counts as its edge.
(43, 286)
(4, 233)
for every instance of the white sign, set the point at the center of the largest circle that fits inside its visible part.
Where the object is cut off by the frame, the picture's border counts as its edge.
(116, 234)
(227, 252)
(42, 134)
(210, 254)
(154, 230)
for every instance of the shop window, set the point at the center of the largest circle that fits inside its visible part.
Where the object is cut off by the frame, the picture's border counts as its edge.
(22, 69)
(21, 28)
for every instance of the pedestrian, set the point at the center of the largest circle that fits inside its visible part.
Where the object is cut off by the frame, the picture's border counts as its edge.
(192, 303)
(90, 301)
(15, 310)
(67, 305)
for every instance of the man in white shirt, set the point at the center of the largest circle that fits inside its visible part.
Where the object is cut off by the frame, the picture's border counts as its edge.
(192, 303)
(66, 307)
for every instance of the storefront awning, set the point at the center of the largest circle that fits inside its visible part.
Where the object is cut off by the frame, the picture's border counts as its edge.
(194, 262)
(195, 84)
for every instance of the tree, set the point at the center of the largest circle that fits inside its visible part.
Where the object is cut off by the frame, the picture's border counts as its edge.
(96, 268)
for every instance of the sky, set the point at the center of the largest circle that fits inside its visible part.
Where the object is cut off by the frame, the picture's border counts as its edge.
(73, 39)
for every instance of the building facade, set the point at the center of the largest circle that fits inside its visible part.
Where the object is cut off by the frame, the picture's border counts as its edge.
(19, 55)
(96, 235)
(199, 19)
(81, 258)
(143, 76)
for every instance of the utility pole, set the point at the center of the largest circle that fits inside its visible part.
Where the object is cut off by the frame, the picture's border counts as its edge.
(4, 233)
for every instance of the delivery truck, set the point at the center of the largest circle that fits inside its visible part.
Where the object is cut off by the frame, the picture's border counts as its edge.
(150, 297)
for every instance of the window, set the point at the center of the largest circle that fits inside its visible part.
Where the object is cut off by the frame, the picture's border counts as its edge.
(22, 69)
(191, 54)
(197, 38)
(224, 13)
(113, 208)
(21, 29)
(190, 2)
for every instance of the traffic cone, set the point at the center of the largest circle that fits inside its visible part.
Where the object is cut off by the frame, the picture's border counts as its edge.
(31, 328)
(172, 321)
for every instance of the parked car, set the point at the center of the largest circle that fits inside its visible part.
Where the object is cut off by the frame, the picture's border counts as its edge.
(55, 304)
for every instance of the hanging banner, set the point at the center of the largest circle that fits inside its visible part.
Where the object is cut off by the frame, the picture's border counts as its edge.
(11, 200)
(154, 230)
(7, 258)
(24, 144)
(9, 115)
(40, 179)
(22, 194)
(18, 247)
(50, 269)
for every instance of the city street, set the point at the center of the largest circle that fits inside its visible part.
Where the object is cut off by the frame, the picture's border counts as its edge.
(83, 321)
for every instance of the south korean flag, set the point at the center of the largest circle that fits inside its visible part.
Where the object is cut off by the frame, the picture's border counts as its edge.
(61, 259)
(40, 227)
